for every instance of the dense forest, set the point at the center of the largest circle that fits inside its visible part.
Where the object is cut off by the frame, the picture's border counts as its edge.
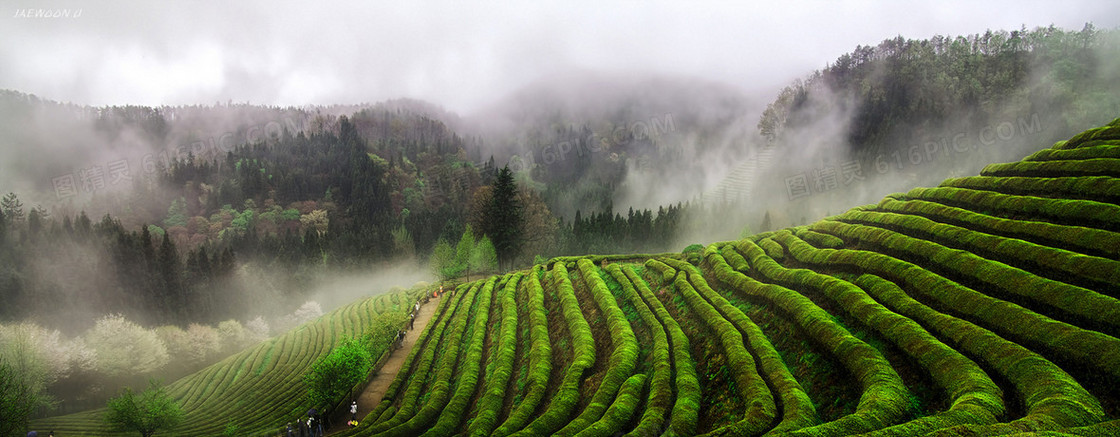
(178, 244)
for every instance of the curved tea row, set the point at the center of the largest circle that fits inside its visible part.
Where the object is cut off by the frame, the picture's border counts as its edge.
(986, 306)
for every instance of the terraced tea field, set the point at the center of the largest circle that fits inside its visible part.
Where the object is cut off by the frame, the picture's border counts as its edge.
(258, 390)
(985, 306)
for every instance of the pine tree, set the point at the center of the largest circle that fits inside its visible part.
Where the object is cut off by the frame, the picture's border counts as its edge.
(150, 276)
(12, 208)
(83, 227)
(174, 299)
(176, 213)
(34, 223)
(204, 263)
(504, 217)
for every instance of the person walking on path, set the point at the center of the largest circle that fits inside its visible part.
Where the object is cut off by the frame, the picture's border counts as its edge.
(371, 396)
(411, 321)
(353, 410)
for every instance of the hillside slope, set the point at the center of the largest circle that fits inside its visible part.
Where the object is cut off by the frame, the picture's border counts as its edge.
(258, 390)
(987, 305)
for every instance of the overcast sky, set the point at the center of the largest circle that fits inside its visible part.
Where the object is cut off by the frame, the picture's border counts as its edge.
(463, 54)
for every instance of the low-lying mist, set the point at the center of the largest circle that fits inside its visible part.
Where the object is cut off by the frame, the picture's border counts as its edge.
(332, 289)
(904, 114)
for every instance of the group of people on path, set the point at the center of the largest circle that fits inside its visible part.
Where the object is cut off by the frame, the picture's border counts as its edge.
(313, 425)
(310, 427)
(399, 341)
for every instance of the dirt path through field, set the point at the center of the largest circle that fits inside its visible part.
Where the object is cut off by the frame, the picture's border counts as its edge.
(373, 393)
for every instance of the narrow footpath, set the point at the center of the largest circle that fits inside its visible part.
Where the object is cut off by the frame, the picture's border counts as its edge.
(371, 396)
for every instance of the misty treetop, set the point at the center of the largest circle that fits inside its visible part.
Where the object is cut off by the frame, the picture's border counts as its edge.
(902, 88)
(347, 191)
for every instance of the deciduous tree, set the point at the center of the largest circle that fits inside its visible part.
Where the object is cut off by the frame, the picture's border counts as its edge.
(464, 250)
(145, 412)
(17, 401)
(124, 347)
(24, 376)
(332, 376)
(484, 258)
(442, 261)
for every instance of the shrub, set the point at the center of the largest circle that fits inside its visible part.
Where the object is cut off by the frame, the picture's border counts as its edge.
(540, 356)
(1095, 188)
(761, 409)
(1060, 168)
(620, 411)
(686, 409)
(623, 359)
(885, 398)
(566, 398)
(420, 355)
(1052, 396)
(331, 377)
(661, 389)
(662, 269)
(450, 327)
(974, 397)
(1065, 211)
(1092, 348)
(1074, 237)
(797, 409)
(490, 404)
(451, 414)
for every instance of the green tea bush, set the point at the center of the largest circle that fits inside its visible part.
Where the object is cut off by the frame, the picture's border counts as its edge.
(660, 380)
(497, 377)
(566, 398)
(686, 408)
(540, 356)
(885, 397)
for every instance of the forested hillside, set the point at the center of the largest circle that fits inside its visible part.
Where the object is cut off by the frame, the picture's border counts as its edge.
(903, 88)
(984, 306)
(908, 112)
(187, 224)
(300, 191)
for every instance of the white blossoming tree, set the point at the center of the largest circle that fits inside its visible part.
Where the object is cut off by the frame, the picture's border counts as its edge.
(124, 348)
